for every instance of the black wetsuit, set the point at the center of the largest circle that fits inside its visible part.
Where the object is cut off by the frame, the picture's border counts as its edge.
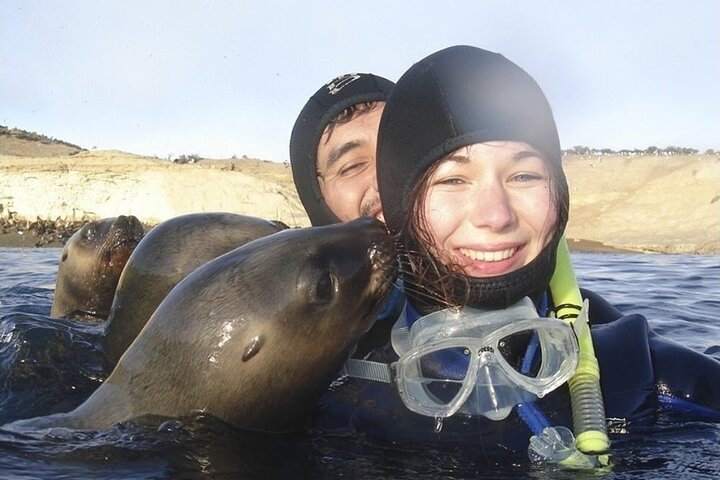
(641, 374)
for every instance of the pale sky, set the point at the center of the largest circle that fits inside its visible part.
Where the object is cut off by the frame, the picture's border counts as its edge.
(223, 78)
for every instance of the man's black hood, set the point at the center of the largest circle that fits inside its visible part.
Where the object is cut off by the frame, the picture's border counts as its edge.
(331, 99)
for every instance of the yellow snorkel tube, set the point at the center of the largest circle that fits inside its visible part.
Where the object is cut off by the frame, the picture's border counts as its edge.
(587, 404)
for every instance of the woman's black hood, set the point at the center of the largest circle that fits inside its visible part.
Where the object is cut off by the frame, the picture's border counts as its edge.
(454, 98)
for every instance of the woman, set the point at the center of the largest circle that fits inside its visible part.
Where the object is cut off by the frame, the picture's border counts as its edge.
(471, 182)
(500, 218)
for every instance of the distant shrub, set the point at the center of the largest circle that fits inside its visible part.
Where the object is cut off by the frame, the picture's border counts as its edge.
(35, 137)
(183, 159)
(652, 150)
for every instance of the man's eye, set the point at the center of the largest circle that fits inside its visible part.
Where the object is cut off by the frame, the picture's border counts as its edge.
(353, 168)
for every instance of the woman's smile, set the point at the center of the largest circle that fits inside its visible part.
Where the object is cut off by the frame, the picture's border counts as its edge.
(488, 256)
(489, 262)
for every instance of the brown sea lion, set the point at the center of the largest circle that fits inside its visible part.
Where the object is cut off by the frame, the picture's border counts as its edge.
(167, 254)
(253, 337)
(90, 266)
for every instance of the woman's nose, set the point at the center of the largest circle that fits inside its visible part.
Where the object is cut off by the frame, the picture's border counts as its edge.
(492, 208)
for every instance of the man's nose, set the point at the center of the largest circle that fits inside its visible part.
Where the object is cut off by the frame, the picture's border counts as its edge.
(374, 181)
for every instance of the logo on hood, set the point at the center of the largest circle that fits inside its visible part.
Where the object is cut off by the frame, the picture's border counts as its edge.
(337, 84)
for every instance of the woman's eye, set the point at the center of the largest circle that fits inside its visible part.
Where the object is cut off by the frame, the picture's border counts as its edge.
(526, 177)
(450, 181)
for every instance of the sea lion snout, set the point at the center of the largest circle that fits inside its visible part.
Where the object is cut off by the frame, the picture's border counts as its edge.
(127, 230)
(363, 256)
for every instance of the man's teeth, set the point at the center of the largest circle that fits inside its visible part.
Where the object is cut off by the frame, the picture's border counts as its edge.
(488, 256)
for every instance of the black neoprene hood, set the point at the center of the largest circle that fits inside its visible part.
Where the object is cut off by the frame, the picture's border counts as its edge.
(331, 99)
(453, 98)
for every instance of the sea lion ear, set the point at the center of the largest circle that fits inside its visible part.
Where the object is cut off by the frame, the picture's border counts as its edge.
(253, 347)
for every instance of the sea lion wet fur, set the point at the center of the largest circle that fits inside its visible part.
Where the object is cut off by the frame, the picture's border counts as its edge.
(167, 254)
(253, 337)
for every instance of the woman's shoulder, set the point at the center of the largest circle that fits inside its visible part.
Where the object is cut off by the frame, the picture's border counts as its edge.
(601, 311)
(635, 358)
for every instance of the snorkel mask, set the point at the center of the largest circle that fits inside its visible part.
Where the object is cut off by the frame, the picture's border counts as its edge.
(476, 362)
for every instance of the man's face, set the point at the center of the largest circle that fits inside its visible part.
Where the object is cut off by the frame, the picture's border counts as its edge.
(346, 166)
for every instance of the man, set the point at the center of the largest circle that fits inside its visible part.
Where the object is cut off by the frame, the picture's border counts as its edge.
(332, 149)
(332, 153)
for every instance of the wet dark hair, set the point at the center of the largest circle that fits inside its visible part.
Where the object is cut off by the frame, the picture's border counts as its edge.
(349, 114)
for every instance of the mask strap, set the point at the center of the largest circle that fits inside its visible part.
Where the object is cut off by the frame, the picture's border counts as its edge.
(410, 314)
(367, 370)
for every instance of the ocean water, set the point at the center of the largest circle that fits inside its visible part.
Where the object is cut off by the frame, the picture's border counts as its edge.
(51, 365)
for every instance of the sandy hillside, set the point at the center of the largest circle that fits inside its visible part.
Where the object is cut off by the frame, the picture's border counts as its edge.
(656, 203)
(102, 184)
(645, 203)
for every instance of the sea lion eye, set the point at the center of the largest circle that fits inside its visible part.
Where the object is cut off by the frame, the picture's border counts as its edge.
(325, 288)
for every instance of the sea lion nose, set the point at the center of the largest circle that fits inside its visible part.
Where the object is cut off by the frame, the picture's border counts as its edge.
(365, 222)
(131, 225)
(375, 231)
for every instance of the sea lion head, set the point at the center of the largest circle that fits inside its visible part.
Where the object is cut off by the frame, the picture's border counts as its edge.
(90, 266)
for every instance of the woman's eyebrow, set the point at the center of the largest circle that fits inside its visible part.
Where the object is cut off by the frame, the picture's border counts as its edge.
(526, 154)
(457, 158)
(518, 156)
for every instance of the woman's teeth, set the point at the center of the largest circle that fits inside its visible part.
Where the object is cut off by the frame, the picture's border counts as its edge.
(482, 256)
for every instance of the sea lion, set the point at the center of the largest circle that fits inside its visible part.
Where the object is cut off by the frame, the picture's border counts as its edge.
(167, 254)
(90, 266)
(253, 337)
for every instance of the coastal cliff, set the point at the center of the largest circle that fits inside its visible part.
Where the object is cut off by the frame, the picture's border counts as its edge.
(650, 203)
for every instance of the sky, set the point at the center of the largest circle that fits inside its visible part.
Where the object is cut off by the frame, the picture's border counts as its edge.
(222, 78)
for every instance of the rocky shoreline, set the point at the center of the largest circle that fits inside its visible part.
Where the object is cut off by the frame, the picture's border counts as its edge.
(39, 233)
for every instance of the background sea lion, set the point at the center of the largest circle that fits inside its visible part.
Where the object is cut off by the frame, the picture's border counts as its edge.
(167, 254)
(253, 337)
(90, 266)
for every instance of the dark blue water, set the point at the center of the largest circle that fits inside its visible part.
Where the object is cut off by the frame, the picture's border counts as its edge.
(49, 365)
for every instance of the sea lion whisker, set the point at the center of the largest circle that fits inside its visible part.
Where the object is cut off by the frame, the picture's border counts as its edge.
(424, 293)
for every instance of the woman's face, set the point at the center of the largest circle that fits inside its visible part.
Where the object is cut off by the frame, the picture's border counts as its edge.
(489, 207)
